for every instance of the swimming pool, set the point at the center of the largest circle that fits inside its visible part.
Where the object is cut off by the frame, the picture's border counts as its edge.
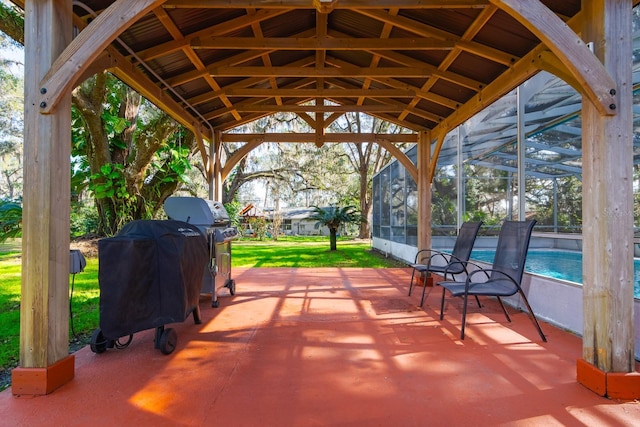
(565, 265)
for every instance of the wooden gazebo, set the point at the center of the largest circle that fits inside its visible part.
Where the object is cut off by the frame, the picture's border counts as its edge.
(427, 65)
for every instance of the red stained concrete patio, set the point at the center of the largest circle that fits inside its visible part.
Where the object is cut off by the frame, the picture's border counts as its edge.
(330, 347)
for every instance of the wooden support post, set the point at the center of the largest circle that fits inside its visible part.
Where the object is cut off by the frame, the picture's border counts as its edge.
(424, 191)
(320, 125)
(45, 363)
(217, 167)
(607, 144)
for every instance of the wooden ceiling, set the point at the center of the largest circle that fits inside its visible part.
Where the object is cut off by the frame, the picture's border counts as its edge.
(422, 64)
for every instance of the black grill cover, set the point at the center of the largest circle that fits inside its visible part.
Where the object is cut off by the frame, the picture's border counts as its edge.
(150, 274)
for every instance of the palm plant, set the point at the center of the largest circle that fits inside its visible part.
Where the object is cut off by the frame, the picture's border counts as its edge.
(333, 217)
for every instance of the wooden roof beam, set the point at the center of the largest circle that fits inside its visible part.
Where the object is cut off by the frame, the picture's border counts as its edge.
(347, 108)
(325, 93)
(392, 106)
(254, 140)
(329, 137)
(321, 43)
(385, 140)
(347, 71)
(381, 115)
(341, 4)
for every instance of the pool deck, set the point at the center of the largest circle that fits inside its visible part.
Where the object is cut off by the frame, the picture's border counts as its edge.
(330, 347)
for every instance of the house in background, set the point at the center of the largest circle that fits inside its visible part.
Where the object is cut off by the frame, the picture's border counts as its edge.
(297, 222)
(294, 221)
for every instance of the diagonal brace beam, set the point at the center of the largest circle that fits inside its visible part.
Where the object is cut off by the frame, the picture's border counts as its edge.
(595, 81)
(84, 49)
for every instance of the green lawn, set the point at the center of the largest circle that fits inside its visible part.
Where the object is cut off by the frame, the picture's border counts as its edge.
(85, 306)
(289, 252)
(304, 252)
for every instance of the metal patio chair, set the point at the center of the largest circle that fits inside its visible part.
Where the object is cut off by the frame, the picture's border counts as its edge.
(446, 263)
(503, 279)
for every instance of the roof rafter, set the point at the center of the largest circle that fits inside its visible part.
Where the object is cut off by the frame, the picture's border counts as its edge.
(217, 30)
(424, 30)
(195, 60)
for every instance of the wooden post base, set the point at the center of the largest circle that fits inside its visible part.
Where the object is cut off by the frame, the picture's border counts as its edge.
(614, 385)
(41, 381)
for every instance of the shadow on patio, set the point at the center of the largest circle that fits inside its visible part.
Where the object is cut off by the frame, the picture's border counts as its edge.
(334, 347)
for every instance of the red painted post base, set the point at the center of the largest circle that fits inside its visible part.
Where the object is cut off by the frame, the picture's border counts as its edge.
(41, 381)
(421, 282)
(614, 385)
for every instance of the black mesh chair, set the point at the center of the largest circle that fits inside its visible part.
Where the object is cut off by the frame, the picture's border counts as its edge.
(446, 263)
(503, 278)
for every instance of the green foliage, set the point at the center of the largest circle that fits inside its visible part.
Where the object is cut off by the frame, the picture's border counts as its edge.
(12, 17)
(84, 220)
(259, 225)
(84, 307)
(85, 303)
(109, 182)
(10, 220)
(129, 154)
(173, 161)
(333, 217)
(557, 205)
(444, 201)
(10, 277)
(233, 209)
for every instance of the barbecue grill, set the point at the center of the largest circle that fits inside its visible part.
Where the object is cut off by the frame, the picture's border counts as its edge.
(149, 275)
(213, 221)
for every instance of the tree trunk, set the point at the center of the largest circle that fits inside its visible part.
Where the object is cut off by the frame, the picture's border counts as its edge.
(333, 237)
(365, 204)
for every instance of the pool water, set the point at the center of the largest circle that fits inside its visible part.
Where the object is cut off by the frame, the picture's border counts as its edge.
(565, 265)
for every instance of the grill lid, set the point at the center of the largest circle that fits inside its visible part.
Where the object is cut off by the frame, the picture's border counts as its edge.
(196, 211)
